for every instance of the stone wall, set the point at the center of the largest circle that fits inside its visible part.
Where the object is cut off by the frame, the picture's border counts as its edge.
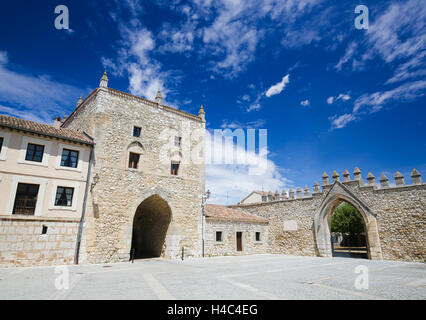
(108, 116)
(394, 216)
(23, 244)
(228, 245)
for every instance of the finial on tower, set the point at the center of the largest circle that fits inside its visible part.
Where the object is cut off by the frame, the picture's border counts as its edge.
(79, 101)
(104, 80)
(201, 113)
(416, 177)
(159, 97)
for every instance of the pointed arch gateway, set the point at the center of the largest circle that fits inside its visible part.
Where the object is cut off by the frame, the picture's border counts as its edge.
(150, 225)
(335, 196)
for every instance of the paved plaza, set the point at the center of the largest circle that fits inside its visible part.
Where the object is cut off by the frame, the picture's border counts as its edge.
(263, 276)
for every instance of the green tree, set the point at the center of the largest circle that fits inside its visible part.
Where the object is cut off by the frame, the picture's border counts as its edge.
(347, 219)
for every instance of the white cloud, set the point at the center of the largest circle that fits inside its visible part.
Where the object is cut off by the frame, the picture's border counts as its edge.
(305, 103)
(134, 59)
(350, 51)
(254, 107)
(35, 97)
(3, 57)
(245, 97)
(397, 36)
(374, 102)
(278, 87)
(256, 124)
(341, 96)
(230, 183)
(177, 39)
(339, 122)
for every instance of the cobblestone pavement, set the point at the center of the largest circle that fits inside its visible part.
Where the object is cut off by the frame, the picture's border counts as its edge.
(243, 277)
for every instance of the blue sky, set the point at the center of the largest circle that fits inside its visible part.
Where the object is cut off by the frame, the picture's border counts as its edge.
(331, 96)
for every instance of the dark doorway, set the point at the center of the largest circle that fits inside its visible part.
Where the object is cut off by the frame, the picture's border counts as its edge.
(150, 225)
(348, 237)
(239, 241)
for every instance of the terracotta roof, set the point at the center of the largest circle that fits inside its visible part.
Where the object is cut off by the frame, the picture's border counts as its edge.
(215, 211)
(43, 129)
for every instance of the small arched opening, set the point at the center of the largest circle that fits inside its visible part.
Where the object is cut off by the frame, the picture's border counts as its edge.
(348, 232)
(150, 225)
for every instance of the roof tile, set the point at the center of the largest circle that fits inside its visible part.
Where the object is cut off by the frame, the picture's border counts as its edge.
(43, 129)
(219, 212)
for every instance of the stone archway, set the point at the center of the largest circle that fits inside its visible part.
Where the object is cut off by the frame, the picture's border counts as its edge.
(335, 196)
(150, 224)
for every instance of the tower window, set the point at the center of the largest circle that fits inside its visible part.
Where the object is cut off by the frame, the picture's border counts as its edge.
(257, 236)
(178, 141)
(134, 160)
(174, 168)
(219, 236)
(137, 131)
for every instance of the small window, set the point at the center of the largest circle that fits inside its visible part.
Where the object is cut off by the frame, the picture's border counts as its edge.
(34, 152)
(178, 141)
(25, 199)
(174, 168)
(133, 160)
(263, 198)
(257, 236)
(218, 236)
(137, 131)
(69, 158)
(1, 143)
(64, 197)
(44, 230)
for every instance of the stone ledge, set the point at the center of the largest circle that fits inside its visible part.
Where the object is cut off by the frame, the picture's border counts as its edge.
(36, 218)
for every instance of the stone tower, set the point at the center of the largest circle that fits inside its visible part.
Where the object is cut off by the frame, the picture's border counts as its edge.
(146, 186)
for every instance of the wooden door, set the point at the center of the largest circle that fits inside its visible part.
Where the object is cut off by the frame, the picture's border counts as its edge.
(239, 241)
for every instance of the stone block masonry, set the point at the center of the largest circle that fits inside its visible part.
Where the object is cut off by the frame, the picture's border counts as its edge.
(394, 216)
(24, 243)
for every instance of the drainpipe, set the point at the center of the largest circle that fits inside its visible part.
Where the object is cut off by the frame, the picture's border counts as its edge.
(83, 211)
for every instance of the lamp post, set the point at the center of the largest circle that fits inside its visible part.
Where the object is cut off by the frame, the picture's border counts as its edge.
(204, 198)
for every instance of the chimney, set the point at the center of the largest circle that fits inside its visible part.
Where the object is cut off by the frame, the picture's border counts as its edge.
(57, 123)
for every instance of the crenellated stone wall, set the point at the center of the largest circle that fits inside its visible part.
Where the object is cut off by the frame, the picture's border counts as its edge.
(394, 216)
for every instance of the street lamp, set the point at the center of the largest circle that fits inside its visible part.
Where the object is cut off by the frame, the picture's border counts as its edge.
(95, 181)
(204, 198)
